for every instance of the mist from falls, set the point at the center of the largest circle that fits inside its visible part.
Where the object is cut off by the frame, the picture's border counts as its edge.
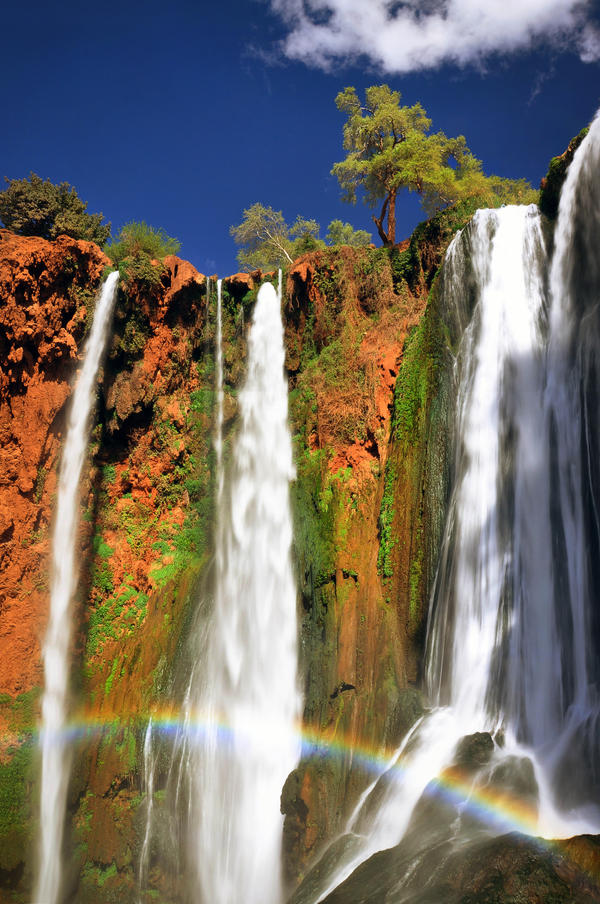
(56, 756)
(243, 690)
(513, 635)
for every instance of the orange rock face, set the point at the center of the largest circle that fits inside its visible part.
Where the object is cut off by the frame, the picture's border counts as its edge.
(47, 290)
(44, 289)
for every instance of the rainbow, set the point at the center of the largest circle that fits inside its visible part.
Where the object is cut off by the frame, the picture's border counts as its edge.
(498, 810)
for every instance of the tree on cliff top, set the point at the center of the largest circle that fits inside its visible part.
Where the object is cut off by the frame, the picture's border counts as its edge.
(267, 242)
(36, 206)
(390, 148)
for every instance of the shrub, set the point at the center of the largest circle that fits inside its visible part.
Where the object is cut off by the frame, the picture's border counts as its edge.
(36, 206)
(136, 239)
(136, 249)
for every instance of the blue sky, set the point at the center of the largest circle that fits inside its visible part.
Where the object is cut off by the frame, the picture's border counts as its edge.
(184, 114)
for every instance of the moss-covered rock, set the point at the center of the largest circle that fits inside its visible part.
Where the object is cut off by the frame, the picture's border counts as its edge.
(552, 182)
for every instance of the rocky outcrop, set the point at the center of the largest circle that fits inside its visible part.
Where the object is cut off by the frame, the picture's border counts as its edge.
(449, 854)
(553, 181)
(509, 869)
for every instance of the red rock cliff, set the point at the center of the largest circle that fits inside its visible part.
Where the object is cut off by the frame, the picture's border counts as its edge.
(46, 289)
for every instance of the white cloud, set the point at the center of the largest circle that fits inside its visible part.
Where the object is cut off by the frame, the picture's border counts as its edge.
(407, 35)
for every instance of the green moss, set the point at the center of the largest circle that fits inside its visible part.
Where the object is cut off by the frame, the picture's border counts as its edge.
(21, 712)
(202, 400)
(132, 326)
(312, 497)
(38, 488)
(111, 678)
(386, 518)
(556, 175)
(418, 378)
(109, 474)
(15, 816)
(415, 580)
(97, 875)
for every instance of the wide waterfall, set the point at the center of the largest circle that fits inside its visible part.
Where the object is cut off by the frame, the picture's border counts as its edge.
(513, 632)
(243, 701)
(492, 636)
(55, 750)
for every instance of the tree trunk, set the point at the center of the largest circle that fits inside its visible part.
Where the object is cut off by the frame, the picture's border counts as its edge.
(388, 237)
(391, 223)
(379, 222)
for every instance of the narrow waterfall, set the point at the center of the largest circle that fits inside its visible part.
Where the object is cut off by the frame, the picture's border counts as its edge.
(148, 777)
(55, 752)
(245, 690)
(513, 632)
(219, 394)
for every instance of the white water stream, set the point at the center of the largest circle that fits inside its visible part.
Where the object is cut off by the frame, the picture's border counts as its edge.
(245, 692)
(55, 750)
(511, 635)
(219, 394)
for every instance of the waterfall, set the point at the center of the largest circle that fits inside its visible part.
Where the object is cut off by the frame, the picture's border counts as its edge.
(149, 764)
(573, 395)
(513, 633)
(219, 394)
(496, 558)
(55, 752)
(244, 685)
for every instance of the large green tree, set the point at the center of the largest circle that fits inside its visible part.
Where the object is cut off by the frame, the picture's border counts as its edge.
(390, 148)
(36, 206)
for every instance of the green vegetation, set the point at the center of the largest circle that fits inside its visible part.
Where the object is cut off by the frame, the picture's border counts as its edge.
(36, 206)
(15, 816)
(314, 516)
(418, 378)
(138, 252)
(557, 172)
(339, 233)
(386, 517)
(267, 242)
(390, 148)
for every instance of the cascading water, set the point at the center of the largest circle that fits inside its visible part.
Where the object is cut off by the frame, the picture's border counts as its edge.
(55, 752)
(572, 397)
(495, 569)
(244, 685)
(149, 765)
(219, 394)
(513, 636)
